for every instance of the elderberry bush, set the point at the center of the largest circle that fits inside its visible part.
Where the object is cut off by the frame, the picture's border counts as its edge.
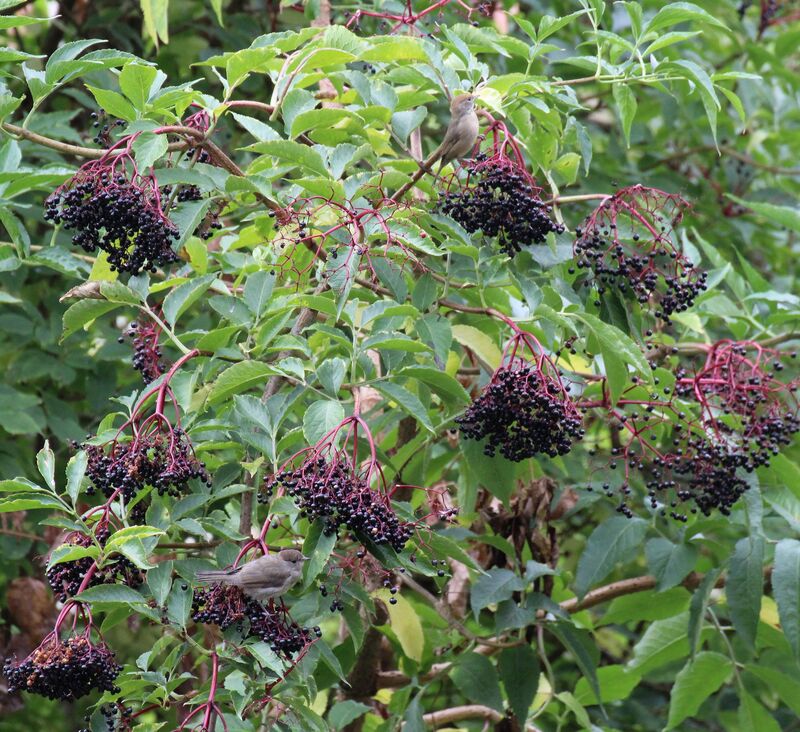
(65, 578)
(332, 491)
(227, 606)
(523, 413)
(501, 201)
(113, 214)
(65, 670)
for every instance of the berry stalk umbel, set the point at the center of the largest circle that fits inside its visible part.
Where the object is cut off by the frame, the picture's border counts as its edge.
(626, 245)
(525, 410)
(329, 484)
(695, 442)
(113, 207)
(148, 449)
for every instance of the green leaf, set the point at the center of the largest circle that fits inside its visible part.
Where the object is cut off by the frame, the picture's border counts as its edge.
(83, 313)
(745, 586)
(149, 148)
(258, 291)
(479, 343)
(519, 672)
(669, 563)
(136, 80)
(113, 103)
(156, 19)
(662, 642)
(626, 103)
(753, 717)
(780, 215)
(407, 401)
(786, 587)
(130, 533)
(76, 469)
(46, 462)
(159, 580)
(446, 386)
(476, 678)
(674, 13)
(785, 686)
(115, 291)
(320, 418)
(294, 154)
(405, 624)
(344, 712)
(613, 541)
(647, 606)
(28, 502)
(238, 378)
(582, 648)
(111, 594)
(70, 553)
(179, 602)
(698, 606)
(496, 585)
(318, 546)
(616, 346)
(616, 683)
(184, 296)
(695, 682)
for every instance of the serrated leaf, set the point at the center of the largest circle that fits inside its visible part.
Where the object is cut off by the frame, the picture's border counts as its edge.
(46, 462)
(476, 678)
(613, 541)
(179, 300)
(781, 215)
(409, 402)
(83, 313)
(626, 103)
(238, 378)
(258, 291)
(745, 587)
(695, 682)
(786, 588)
(148, 148)
(669, 562)
(405, 624)
(293, 153)
(519, 672)
(681, 12)
(496, 585)
(479, 343)
(320, 418)
(111, 594)
(76, 469)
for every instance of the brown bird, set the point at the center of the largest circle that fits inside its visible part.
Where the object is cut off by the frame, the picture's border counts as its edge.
(263, 578)
(462, 132)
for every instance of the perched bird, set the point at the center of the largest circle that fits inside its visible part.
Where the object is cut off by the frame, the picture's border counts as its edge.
(462, 132)
(263, 578)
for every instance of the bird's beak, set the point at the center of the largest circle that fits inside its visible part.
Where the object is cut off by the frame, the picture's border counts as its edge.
(305, 559)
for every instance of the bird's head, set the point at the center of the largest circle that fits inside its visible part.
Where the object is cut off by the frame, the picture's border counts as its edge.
(462, 104)
(292, 556)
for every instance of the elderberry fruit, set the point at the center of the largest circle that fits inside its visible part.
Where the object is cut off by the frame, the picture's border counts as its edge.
(523, 413)
(64, 670)
(501, 201)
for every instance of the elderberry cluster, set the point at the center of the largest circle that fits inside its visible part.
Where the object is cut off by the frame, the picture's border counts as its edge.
(643, 273)
(65, 578)
(332, 491)
(163, 460)
(502, 203)
(65, 670)
(146, 350)
(523, 413)
(227, 606)
(113, 214)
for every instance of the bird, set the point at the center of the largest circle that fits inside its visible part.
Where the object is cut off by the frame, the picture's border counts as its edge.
(263, 578)
(462, 132)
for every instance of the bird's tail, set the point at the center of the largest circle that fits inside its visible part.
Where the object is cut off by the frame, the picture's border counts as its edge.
(215, 575)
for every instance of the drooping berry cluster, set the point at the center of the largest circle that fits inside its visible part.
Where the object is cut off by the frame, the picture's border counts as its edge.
(64, 670)
(501, 200)
(626, 244)
(161, 458)
(525, 409)
(329, 488)
(150, 448)
(696, 441)
(111, 206)
(66, 578)
(146, 349)
(227, 606)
